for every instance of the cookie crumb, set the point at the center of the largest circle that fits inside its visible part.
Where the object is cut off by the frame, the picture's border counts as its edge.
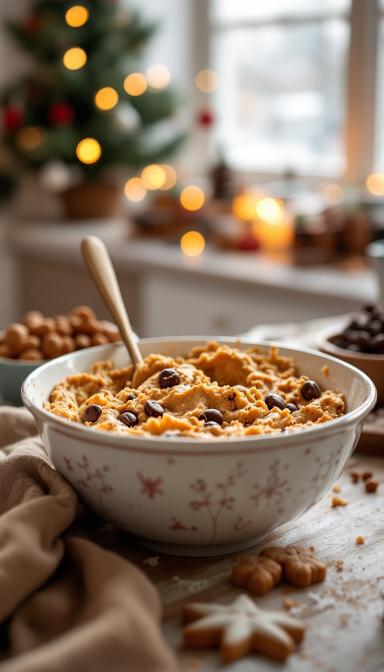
(336, 488)
(339, 565)
(360, 540)
(355, 476)
(290, 603)
(371, 485)
(367, 475)
(338, 501)
(325, 370)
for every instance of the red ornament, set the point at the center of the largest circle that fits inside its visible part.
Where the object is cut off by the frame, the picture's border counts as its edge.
(248, 243)
(12, 118)
(61, 114)
(205, 118)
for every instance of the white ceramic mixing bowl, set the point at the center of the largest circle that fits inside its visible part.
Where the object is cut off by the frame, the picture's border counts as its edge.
(200, 497)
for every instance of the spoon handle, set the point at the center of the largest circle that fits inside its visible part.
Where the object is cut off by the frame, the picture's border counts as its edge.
(99, 264)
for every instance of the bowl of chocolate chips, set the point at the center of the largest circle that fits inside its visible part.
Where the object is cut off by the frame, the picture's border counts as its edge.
(360, 343)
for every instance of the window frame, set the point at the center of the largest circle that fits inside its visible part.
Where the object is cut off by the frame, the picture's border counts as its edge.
(361, 84)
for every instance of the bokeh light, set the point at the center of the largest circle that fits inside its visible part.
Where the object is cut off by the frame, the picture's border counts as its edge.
(158, 76)
(135, 190)
(75, 58)
(192, 198)
(76, 16)
(375, 184)
(270, 210)
(244, 206)
(333, 194)
(170, 177)
(135, 84)
(88, 150)
(206, 81)
(106, 98)
(153, 176)
(192, 243)
(29, 138)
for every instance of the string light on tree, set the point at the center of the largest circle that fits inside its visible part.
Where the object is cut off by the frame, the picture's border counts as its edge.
(375, 184)
(333, 194)
(88, 150)
(106, 98)
(29, 138)
(207, 81)
(135, 84)
(75, 58)
(76, 16)
(192, 198)
(153, 176)
(192, 243)
(170, 177)
(135, 190)
(158, 76)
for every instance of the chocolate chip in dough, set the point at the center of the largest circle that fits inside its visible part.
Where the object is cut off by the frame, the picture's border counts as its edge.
(291, 407)
(153, 409)
(128, 418)
(274, 401)
(310, 390)
(92, 413)
(212, 415)
(168, 378)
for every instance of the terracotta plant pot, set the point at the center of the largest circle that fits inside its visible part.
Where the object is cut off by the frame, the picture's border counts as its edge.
(92, 200)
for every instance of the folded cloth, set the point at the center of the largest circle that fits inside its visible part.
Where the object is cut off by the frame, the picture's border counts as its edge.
(66, 604)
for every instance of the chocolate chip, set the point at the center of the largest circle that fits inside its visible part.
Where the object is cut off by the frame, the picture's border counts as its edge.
(360, 338)
(128, 418)
(291, 407)
(212, 415)
(168, 378)
(153, 409)
(310, 390)
(377, 344)
(92, 413)
(375, 327)
(274, 400)
(212, 423)
(131, 396)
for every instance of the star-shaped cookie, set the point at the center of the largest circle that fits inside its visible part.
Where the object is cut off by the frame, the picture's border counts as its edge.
(240, 628)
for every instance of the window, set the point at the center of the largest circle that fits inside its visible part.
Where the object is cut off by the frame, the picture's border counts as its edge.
(282, 67)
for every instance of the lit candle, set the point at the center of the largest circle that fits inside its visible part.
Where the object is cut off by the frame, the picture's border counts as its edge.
(273, 227)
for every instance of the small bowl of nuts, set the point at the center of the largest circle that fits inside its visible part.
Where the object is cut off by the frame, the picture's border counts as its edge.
(360, 343)
(27, 344)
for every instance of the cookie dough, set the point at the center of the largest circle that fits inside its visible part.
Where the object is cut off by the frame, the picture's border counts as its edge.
(216, 391)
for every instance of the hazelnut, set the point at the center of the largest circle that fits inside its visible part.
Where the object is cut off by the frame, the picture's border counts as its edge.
(63, 326)
(111, 331)
(82, 341)
(99, 339)
(76, 323)
(52, 345)
(32, 316)
(4, 351)
(16, 337)
(367, 475)
(68, 344)
(46, 326)
(32, 342)
(371, 485)
(90, 327)
(32, 354)
(84, 312)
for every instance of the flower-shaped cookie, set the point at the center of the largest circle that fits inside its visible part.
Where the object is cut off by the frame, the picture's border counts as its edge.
(300, 565)
(258, 573)
(241, 628)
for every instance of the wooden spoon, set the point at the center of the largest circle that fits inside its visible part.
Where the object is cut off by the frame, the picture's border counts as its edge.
(99, 264)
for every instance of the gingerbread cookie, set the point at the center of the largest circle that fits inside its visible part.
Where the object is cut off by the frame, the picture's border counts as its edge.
(300, 566)
(259, 574)
(241, 628)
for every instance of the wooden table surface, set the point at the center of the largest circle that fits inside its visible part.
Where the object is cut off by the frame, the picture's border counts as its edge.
(343, 615)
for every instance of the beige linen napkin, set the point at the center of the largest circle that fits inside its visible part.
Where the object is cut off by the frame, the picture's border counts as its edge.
(66, 604)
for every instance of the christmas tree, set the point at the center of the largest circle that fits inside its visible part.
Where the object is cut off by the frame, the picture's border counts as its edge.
(85, 102)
